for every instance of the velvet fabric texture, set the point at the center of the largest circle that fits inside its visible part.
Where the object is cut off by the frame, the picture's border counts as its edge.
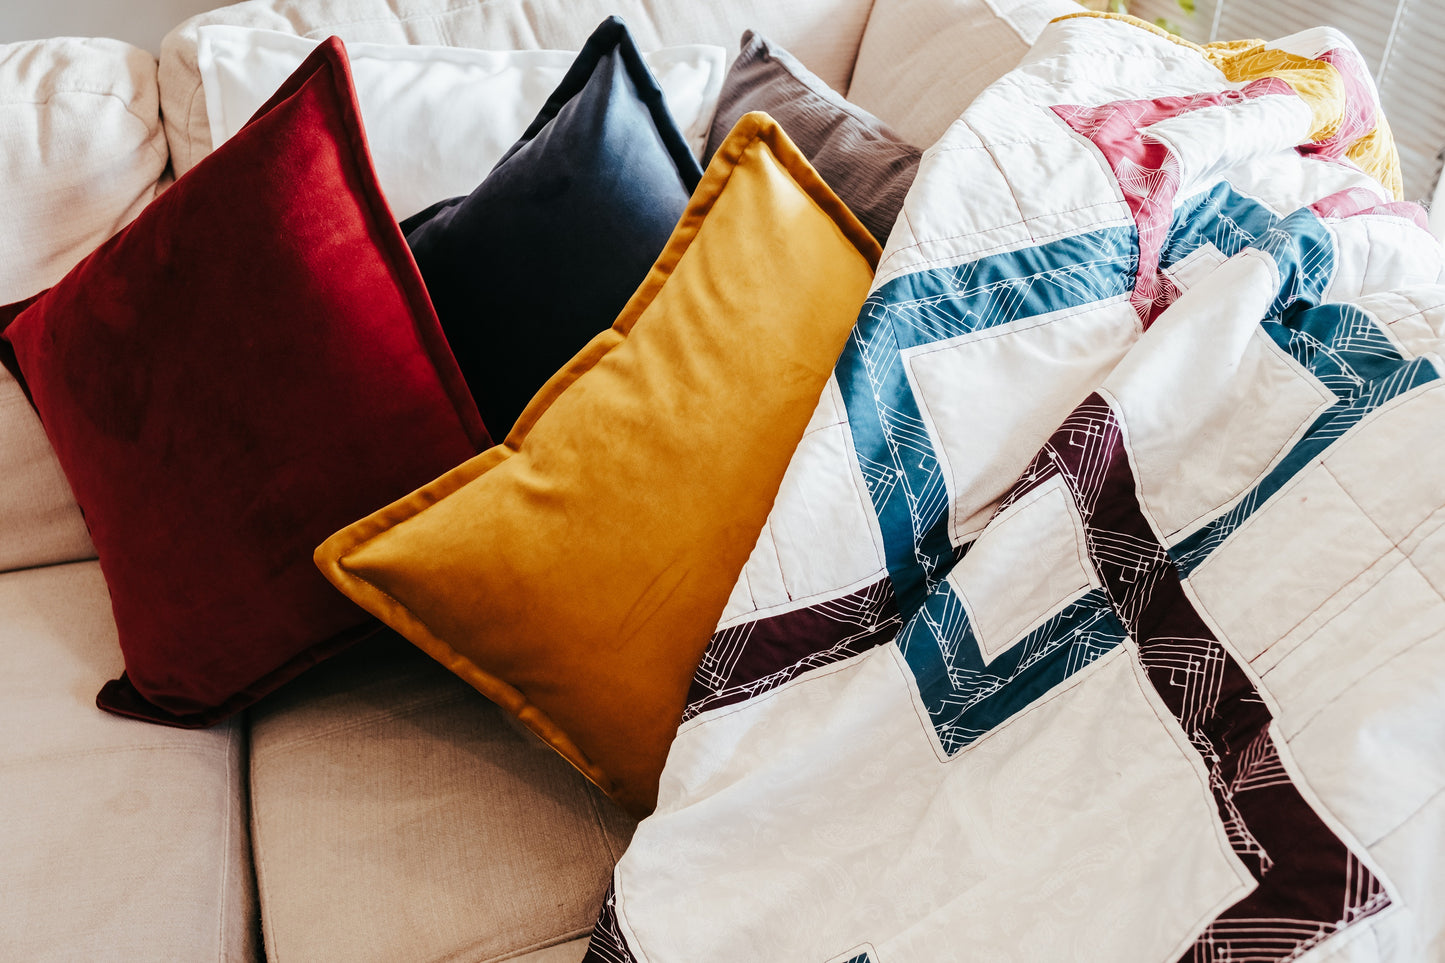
(575, 573)
(252, 362)
(861, 158)
(546, 251)
(437, 118)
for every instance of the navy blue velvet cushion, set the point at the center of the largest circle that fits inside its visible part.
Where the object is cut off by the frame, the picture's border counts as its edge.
(545, 253)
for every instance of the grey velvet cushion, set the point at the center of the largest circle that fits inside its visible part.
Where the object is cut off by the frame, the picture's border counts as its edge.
(862, 159)
(399, 817)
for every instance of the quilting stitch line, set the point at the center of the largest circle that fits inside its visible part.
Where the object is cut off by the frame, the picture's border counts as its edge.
(1311, 886)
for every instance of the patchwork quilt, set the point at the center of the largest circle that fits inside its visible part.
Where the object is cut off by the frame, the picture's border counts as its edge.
(1100, 614)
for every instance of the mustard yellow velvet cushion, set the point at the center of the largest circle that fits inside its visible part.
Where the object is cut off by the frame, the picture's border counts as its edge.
(574, 573)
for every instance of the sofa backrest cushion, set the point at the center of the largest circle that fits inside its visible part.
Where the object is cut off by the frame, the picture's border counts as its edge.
(858, 155)
(249, 364)
(574, 573)
(545, 253)
(437, 118)
(824, 34)
(81, 151)
(922, 62)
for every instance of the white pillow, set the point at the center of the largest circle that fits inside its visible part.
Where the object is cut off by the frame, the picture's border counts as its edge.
(922, 62)
(437, 118)
(81, 152)
(823, 34)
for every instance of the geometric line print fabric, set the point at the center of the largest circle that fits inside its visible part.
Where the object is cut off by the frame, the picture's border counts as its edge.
(1148, 173)
(967, 698)
(1223, 217)
(965, 694)
(608, 944)
(900, 468)
(1338, 344)
(1310, 884)
(1351, 356)
(748, 659)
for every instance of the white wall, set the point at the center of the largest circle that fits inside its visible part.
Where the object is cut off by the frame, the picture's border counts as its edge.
(141, 22)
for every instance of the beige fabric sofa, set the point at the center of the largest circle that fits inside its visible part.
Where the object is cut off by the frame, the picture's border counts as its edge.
(377, 809)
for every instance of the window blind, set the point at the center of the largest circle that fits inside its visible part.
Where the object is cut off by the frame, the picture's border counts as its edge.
(1403, 41)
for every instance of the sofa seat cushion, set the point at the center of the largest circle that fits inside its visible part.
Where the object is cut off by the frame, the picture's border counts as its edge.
(81, 151)
(122, 841)
(824, 34)
(398, 817)
(573, 951)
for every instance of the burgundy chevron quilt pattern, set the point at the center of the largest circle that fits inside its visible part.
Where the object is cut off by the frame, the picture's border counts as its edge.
(1100, 614)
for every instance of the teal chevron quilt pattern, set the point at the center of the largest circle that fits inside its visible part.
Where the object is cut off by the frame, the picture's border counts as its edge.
(1101, 613)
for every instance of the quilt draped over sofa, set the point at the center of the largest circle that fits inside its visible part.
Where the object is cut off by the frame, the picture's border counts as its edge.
(1099, 614)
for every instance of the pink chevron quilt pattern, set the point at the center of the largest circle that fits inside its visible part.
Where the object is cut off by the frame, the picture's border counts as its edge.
(1100, 614)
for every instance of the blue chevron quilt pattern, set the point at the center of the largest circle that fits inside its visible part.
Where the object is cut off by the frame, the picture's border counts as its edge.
(1100, 614)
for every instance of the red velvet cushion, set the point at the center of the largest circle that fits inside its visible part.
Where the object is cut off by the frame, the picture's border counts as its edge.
(250, 365)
